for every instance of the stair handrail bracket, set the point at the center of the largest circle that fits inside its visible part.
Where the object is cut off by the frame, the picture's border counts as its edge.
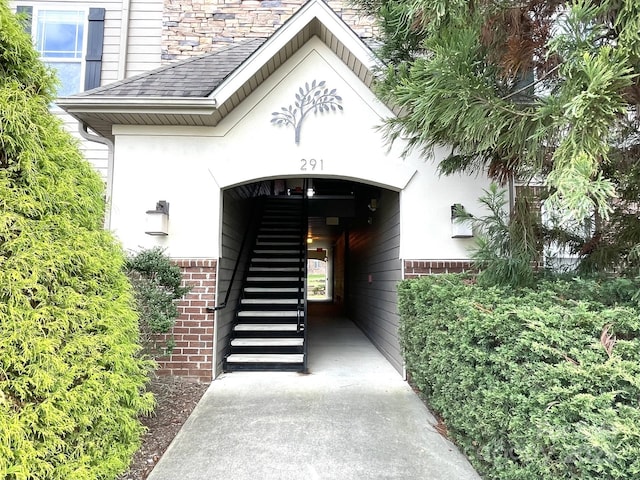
(300, 319)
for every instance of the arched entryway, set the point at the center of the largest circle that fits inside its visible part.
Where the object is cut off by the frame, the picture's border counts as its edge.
(352, 230)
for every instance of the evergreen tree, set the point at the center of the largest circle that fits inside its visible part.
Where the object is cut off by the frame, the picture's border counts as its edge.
(533, 89)
(71, 383)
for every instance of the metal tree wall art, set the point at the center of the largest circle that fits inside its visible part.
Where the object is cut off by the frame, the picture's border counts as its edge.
(314, 97)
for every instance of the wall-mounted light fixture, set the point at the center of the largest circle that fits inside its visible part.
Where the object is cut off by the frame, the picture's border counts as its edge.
(373, 204)
(460, 228)
(310, 190)
(157, 222)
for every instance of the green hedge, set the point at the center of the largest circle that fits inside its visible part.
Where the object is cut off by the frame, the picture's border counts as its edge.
(532, 384)
(71, 381)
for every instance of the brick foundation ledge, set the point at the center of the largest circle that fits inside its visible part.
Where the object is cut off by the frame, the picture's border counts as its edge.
(418, 268)
(192, 356)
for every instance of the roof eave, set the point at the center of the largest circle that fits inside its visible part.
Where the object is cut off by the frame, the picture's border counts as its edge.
(140, 105)
(102, 112)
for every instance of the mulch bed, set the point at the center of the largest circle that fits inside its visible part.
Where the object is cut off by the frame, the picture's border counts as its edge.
(175, 400)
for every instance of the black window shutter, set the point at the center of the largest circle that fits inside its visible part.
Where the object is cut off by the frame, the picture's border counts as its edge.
(27, 13)
(95, 41)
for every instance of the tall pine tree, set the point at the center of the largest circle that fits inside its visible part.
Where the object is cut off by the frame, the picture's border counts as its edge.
(534, 89)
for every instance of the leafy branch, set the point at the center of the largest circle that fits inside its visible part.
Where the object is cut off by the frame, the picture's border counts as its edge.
(316, 98)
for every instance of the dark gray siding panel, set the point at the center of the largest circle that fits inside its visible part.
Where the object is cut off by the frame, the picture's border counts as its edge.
(374, 272)
(234, 218)
(339, 272)
(237, 208)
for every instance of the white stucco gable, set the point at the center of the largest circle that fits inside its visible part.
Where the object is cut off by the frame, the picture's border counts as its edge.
(341, 141)
(218, 132)
(189, 166)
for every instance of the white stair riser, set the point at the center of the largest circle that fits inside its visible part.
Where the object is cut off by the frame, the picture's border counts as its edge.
(271, 290)
(267, 342)
(268, 313)
(278, 244)
(271, 301)
(276, 252)
(284, 260)
(274, 269)
(265, 358)
(279, 236)
(274, 279)
(266, 327)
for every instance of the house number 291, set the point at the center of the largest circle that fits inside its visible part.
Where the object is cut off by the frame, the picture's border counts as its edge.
(311, 165)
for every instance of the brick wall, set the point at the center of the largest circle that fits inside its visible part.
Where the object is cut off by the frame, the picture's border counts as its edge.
(192, 356)
(417, 268)
(192, 27)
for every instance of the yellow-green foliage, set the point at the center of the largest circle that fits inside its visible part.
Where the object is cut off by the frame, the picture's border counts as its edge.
(71, 384)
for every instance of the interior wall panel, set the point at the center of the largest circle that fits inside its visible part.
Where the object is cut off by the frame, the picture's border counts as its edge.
(375, 269)
(239, 206)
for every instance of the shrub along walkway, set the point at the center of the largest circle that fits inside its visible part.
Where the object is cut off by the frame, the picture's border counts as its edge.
(351, 417)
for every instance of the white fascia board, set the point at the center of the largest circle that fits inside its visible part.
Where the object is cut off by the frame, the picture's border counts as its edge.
(314, 9)
(163, 131)
(168, 105)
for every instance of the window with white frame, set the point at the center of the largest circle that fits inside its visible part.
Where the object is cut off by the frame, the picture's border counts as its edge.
(59, 36)
(70, 41)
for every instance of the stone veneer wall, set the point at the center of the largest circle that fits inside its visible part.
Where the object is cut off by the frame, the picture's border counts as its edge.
(418, 268)
(193, 27)
(192, 356)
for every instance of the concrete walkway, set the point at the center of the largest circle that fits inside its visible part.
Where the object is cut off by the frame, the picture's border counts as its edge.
(351, 417)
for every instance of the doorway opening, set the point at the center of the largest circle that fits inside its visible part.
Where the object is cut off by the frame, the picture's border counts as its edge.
(351, 247)
(317, 276)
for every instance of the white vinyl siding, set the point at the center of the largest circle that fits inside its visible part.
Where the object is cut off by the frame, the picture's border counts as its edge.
(111, 46)
(95, 153)
(145, 36)
(143, 52)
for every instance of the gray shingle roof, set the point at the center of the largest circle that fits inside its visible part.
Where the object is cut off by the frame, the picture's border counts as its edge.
(194, 77)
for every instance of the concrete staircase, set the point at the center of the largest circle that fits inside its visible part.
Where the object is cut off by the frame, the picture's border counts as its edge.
(269, 331)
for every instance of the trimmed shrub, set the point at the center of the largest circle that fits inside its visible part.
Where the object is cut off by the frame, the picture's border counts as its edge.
(532, 384)
(71, 382)
(157, 284)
